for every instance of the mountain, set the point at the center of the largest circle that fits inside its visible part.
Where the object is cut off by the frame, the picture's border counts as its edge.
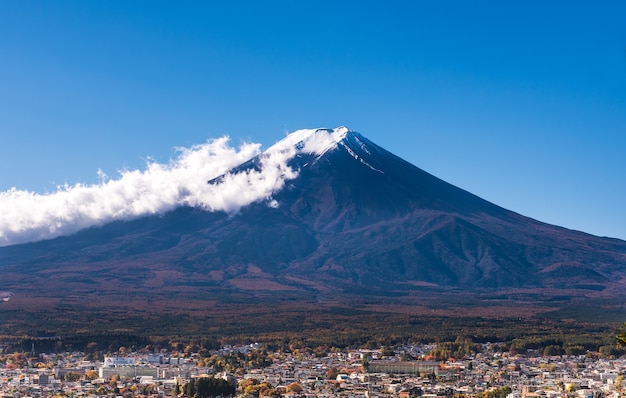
(349, 221)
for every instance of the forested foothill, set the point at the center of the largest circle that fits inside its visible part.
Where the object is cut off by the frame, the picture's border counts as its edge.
(454, 337)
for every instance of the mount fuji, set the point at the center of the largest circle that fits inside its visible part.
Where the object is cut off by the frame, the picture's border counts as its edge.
(339, 218)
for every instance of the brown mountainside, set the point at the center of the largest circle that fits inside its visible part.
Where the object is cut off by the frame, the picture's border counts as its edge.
(358, 225)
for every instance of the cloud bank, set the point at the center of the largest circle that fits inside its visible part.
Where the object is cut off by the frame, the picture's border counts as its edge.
(28, 216)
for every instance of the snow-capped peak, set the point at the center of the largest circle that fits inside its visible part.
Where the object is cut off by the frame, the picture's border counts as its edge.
(27, 216)
(311, 141)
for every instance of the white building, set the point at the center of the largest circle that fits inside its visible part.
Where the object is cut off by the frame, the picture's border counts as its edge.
(111, 362)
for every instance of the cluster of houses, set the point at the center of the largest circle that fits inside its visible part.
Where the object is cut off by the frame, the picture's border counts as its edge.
(356, 373)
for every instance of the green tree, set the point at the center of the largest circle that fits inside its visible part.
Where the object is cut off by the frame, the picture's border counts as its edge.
(552, 350)
(575, 350)
(205, 387)
(621, 336)
(387, 352)
(190, 389)
(619, 383)
(149, 389)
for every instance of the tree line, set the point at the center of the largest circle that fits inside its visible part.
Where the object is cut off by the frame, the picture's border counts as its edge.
(206, 387)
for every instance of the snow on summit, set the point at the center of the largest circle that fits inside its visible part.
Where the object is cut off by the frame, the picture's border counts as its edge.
(313, 141)
(29, 216)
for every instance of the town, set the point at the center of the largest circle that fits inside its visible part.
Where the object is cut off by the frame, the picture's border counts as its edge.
(252, 371)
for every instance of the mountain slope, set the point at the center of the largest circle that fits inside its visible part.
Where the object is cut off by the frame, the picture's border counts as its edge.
(350, 219)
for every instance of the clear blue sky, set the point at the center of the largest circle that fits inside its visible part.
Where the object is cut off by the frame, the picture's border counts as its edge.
(520, 102)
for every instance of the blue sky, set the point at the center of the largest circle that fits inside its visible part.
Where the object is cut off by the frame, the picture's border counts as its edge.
(521, 103)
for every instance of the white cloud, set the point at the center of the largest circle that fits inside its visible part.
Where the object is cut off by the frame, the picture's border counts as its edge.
(28, 216)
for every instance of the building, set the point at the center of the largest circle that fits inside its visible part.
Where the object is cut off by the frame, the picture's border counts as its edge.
(403, 367)
(125, 367)
(128, 371)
